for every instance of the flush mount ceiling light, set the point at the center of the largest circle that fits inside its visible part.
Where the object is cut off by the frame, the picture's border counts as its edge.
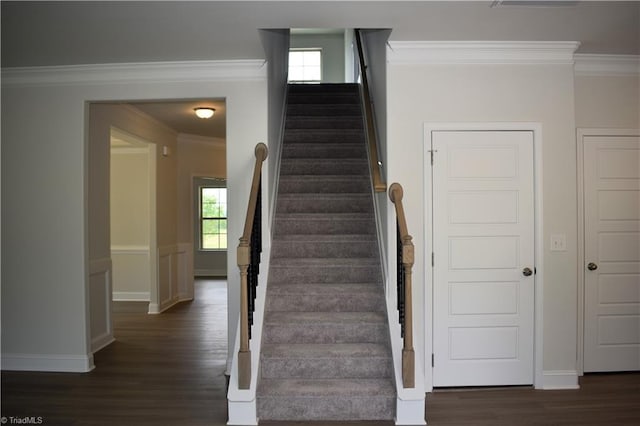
(204, 112)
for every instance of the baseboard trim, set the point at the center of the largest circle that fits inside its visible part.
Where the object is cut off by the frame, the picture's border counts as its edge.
(155, 309)
(560, 379)
(101, 342)
(131, 296)
(49, 362)
(210, 273)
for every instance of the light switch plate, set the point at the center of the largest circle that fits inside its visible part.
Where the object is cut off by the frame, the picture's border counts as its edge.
(558, 242)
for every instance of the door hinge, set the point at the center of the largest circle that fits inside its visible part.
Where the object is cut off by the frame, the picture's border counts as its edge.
(433, 259)
(432, 151)
(433, 363)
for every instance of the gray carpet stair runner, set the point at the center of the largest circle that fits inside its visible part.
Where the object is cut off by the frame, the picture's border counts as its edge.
(325, 344)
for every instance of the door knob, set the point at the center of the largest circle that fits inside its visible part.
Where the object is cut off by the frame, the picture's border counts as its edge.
(527, 272)
(592, 266)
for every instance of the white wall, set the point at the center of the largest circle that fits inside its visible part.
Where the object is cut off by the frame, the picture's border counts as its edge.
(375, 51)
(276, 47)
(420, 91)
(607, 101)
(130, 194)
(45, 309)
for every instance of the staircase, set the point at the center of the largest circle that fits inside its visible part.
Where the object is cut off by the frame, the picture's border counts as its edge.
(325, 345)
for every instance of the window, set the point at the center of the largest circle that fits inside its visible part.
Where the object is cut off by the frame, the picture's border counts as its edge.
(305, 65)
(213, 218)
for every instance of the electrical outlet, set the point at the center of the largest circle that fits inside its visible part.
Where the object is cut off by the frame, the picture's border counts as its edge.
(558, 242)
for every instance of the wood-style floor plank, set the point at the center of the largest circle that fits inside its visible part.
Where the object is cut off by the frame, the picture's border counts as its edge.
(168, 369)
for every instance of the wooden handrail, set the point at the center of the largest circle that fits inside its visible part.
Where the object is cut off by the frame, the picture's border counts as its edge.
(378, 184)
(244, 256)
(405, 263)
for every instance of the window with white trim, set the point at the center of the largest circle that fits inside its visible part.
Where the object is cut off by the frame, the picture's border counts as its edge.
(305, 65)
(213, 218)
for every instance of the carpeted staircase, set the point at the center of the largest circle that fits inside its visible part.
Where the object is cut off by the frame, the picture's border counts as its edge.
(325, 345)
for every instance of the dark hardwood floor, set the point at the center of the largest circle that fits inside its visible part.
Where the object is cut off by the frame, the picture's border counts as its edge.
(168, 369)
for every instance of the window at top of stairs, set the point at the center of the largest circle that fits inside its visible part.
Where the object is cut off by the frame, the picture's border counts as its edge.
(305, 65)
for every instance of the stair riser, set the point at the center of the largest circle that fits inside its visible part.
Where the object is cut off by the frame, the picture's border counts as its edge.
(318, 89)
(325, 274)
(323, 226)
(324, 123)
(309, 150)
(321, 249)
(323, 167)
(326, 368)
(325, 333)
(325, 110)
(327, 408)
(321, 186)
(323, 205)
(326, 303)
(327, 99)
(323, 136)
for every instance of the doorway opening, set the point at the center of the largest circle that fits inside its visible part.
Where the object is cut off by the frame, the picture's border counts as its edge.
(143, 156)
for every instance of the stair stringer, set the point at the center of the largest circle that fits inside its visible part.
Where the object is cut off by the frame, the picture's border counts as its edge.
(242, 403)
(410, 403)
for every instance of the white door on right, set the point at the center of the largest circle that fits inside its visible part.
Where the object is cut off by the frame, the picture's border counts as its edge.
(483, 269)
(612, 253)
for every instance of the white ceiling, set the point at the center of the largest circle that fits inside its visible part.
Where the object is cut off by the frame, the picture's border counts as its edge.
(59, 33)
(67, 33)
(179, 116)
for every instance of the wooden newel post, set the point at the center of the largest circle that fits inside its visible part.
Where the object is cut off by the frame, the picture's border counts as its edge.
(244, 355)
(408, 354)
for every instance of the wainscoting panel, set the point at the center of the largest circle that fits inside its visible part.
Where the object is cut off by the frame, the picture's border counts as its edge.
(100, 303)
(131, 272)
(175, 277)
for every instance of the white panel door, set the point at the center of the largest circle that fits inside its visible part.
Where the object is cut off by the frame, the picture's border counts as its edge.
(612, 253)
(483, 239)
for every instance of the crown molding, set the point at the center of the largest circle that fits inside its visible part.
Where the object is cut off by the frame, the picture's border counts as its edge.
(481, 52)
(154, 72)
(607, 65)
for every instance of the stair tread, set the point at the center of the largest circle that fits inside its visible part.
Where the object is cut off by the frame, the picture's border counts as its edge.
(340, 318)
(332, 145)
(324, 132)
(315, 178)
(324, 216)
(324, 289)
(323, 195)
(325, 238)
(327, 262)
(326, 387)
(325, 160)
(325, 350)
